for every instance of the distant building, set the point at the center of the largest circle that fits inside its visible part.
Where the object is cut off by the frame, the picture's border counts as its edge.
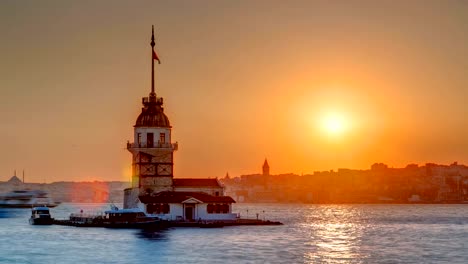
(14, 180)
(430, 183)
(154, 188)
(266, 168)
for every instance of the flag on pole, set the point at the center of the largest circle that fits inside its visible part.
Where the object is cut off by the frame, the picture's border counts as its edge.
(155, 57)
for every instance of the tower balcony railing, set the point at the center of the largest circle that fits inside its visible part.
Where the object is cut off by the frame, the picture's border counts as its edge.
(159, 145)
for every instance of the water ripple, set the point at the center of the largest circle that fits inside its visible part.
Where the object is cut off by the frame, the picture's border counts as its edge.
(311, 234)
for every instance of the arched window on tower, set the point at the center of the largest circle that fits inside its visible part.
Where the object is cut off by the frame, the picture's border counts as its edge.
(139, 139)
(150, 140)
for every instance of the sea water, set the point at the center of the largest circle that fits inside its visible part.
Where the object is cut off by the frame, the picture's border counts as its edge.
(310, 234)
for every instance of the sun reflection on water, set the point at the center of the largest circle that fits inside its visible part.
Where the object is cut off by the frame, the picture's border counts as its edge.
(335, 234)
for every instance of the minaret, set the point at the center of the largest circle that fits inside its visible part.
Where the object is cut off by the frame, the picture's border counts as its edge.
(266, 168)
(152, 149)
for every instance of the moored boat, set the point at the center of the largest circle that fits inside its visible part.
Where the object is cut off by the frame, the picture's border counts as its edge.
(40, 216)
(130, 218)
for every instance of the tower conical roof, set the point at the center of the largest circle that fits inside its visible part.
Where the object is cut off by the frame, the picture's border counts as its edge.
(152, 113)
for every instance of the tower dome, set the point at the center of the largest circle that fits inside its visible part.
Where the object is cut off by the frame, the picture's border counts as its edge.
(152, 113)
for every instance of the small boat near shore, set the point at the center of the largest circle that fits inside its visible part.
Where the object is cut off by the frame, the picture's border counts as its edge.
(40, 216)
(130, 218)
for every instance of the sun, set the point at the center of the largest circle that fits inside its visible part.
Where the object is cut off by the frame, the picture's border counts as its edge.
(333, 124)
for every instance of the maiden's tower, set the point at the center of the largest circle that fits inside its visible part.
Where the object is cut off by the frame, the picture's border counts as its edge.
(154, 188)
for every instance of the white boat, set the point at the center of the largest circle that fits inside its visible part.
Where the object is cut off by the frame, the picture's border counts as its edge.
(26, 199)
(40, 216)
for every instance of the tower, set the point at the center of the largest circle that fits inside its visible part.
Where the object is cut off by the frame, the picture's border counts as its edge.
(266, 168)
(152, 149)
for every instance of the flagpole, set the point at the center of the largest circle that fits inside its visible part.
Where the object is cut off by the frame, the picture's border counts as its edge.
(152, 61)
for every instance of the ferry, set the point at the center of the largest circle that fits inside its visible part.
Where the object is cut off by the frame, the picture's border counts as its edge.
(40, 216)
(26, 199)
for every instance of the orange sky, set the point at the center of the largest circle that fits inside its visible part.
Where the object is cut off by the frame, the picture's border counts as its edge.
(241, 80)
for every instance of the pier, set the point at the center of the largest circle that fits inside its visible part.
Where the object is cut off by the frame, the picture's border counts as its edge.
(168, 224)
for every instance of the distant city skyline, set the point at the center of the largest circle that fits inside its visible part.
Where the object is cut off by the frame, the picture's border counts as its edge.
(260, 170)
(311, 86)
